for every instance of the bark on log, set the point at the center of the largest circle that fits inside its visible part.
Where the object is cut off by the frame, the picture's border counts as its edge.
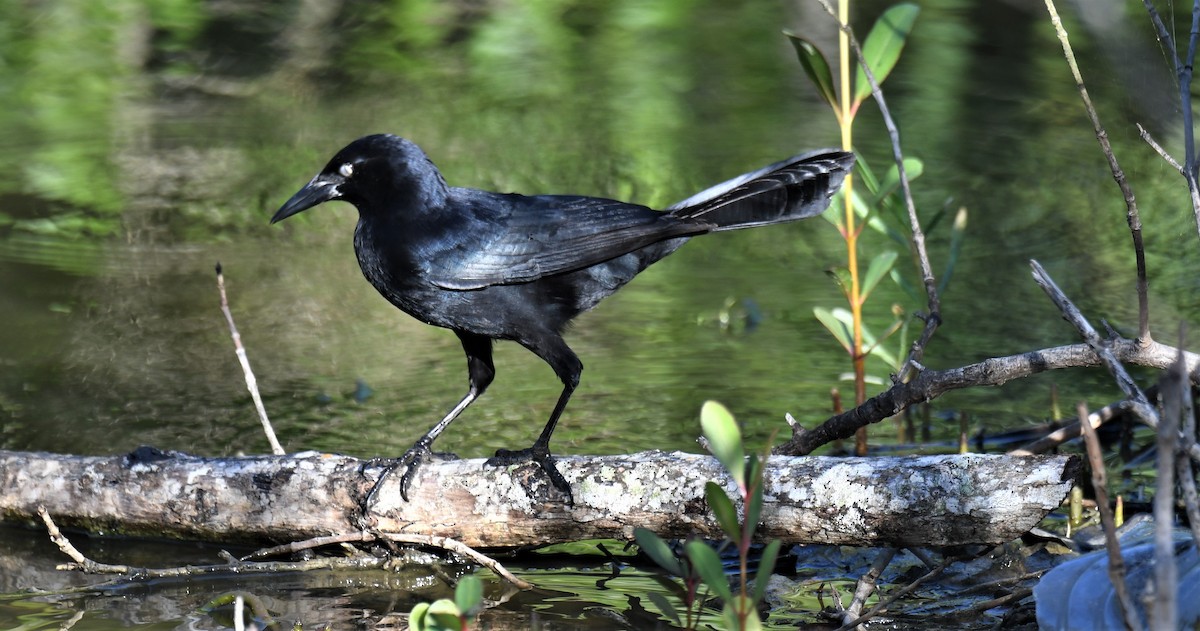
(902, 501)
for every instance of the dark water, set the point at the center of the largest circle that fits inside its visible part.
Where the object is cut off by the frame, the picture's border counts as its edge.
(139, 145)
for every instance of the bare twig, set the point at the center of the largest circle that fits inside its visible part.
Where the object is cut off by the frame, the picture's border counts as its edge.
(867, 584)
(360, 561)
(445, 543)
(1074, 430)
(251, 382)
(1131, 211)
(884, 603)
(1139, 404)
(1183, 466)
(930, 384)
(934, 318)
(1162, 153)
(1116, 563)
(1183, 75)
(1165, 615)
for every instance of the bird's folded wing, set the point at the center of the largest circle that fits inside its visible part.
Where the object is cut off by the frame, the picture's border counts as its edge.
(552, 234)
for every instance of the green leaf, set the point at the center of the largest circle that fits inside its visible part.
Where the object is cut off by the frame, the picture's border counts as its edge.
(837, 326)
(879, 267)
(723, 509)
(841, 276)
(468, 594)
(881, 50)
(909, 289)
(957, 232)
(658, 550)
(708, 566)
(417, 617)
(766, 565)
(816, 67)
(724, 439)
(913, 169)
(732, 619)
(665, 607)
(444, 616)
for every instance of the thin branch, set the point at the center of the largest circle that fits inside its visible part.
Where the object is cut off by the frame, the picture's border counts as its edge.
(1074, 430)
(1116, 563)
(867, 584)
(358, 561)
(1131, 211)
(1164, 614)
(1162, 153)
(930, 384)
(1183, 75)
(251, 382)
(884, 603)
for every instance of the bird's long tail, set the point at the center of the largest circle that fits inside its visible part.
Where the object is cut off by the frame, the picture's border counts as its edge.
(791, 189)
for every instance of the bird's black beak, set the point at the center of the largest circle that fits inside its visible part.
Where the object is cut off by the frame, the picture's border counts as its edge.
(322, 188)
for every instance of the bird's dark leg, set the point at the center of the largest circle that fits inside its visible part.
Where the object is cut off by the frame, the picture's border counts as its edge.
(480, 373)
(568, 368)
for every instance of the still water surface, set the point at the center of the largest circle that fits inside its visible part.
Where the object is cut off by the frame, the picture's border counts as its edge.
(140, 147)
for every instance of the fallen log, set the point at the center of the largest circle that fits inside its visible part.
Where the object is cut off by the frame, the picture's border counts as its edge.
(896, 501)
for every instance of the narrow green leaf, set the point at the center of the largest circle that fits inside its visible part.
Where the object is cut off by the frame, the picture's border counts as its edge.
(708, 566)
(468, 594)
(753, 512)
(909, 289)
(658, 550)
(957, 233)
(734, 621)
(840, 331)
(816, 67)
(766, 565)
(913, 169)
(665, 607)
(878, 268)
(841, 276)
(724, 439)
(881, 49)
(722, 508)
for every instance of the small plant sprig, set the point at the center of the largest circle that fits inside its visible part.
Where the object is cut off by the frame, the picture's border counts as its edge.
(879, 207)
(450, 615)
(700, 562)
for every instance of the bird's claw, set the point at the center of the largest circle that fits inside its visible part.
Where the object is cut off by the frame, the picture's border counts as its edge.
(411, 460)
(543, 458)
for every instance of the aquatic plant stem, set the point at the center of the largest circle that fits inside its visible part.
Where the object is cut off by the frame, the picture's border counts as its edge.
(933, 318)
(1132, 217)
(251, 382)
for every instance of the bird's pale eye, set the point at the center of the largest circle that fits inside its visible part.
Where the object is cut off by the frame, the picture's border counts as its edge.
(346, 169)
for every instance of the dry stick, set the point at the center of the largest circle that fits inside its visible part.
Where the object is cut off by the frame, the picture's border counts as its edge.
(1139, 404)
(251, 382)
(1075, 430)
(1116, 563)
(1183, 74)
(1166, 576)
(444, 543)
(1183, 466)
(242, 565)
(995, 371)
(934, 317)
(894, 596)
(1131, 211)
(867, 584)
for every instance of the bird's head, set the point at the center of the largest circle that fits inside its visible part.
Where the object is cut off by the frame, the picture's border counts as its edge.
(373, 173)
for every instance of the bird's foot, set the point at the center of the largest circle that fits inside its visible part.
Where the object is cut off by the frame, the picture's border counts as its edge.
(411, 460)
(542, 457)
